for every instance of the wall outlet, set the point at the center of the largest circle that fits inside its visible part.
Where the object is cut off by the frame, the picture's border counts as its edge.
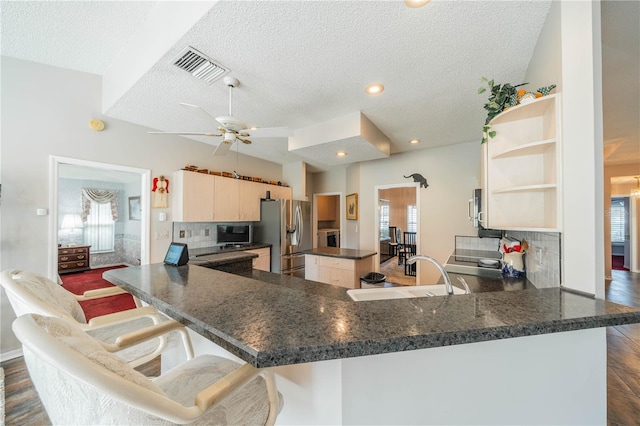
(206, 232)
(539, 256)
(182, 233)
(162, 235)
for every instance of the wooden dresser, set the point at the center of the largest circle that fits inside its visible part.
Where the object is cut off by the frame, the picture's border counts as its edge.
(73, 259)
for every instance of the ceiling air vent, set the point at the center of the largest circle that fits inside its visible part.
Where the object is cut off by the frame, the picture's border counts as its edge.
(199, 65)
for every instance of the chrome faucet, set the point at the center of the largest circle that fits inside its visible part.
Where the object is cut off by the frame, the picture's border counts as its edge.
(447, 280)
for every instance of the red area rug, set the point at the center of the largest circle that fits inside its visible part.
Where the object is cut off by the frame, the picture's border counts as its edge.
(617, 263)
(80, 282)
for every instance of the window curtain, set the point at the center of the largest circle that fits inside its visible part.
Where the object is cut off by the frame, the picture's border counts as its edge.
(99, 196)
(99, 231)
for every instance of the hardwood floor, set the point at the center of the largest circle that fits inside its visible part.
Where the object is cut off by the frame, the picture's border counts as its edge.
(22, 405)
(395, 273)
(623, 354)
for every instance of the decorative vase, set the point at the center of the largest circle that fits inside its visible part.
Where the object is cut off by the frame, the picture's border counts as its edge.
(513, 264)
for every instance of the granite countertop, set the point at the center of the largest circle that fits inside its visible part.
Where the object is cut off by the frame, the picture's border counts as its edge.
(341, 252)
(269, 319)
(205, 251)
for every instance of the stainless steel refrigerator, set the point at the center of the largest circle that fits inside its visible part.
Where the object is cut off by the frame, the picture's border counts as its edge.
(286, 225)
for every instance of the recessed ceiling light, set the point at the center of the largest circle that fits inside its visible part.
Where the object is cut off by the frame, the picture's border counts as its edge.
(414, 141)
(374, 89)
(341, 154)
(416, 3)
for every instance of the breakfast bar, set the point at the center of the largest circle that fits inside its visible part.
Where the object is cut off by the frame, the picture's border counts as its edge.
(501, 355)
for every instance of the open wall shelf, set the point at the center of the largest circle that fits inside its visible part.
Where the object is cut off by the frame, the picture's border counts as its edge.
(521, 168)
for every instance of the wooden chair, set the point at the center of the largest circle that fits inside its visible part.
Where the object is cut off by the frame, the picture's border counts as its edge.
(393, 244)
(408, 248)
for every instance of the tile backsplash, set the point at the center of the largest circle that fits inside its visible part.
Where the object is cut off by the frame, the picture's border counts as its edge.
(477, 243)
(542, 259)
(197, 234)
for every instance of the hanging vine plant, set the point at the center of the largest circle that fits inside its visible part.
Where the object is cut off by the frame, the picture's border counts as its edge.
(502, 96)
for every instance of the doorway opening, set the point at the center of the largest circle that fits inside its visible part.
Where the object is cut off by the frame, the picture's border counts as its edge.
(620, 234)
(117, 238)
(328, 219)
(398, 231)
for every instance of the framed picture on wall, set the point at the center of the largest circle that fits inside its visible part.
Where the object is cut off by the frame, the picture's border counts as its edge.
(352, 207)
(134, 208)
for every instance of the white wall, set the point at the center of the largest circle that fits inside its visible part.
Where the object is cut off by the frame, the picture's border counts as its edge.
(545, 67)
(45, 111)
(452, 173)
(582, 163)
(568, 54)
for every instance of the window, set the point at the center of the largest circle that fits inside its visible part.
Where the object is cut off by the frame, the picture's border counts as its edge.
(384, 219)
(618, 218)
(100, 228)
(412, 219)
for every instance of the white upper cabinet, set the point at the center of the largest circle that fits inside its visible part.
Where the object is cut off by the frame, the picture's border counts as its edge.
(521, 168)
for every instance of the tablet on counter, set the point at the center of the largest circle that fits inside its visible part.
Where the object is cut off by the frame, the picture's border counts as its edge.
(177, 255)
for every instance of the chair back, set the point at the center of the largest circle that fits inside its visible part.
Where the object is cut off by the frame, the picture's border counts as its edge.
(78, 381)
(409, 238)
(398, 235)
(392, 234)
(31, 293)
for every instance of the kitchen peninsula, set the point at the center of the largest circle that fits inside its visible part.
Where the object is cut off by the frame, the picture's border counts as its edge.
(338, 266)
(504, 357)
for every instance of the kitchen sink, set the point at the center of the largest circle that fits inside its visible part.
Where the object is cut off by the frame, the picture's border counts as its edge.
(365, 294)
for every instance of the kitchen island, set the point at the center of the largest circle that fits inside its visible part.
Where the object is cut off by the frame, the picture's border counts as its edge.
(338, 266)
(535, 356)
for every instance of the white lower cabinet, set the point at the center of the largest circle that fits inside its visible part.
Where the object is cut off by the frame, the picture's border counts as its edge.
(263, 261)
(337, 271)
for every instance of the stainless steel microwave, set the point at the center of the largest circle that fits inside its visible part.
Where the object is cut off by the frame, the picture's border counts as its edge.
(475, 212)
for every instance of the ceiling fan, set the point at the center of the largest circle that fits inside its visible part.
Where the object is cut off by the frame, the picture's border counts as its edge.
(230, 128)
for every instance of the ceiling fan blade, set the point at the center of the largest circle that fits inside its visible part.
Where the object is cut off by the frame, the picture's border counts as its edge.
(268, 132)
(222, 148)
(208, 118)
(184, 133)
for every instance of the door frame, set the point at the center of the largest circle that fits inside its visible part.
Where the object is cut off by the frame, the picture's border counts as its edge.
(376, 221)
(632, 223)
(314, 215)
(145, 203)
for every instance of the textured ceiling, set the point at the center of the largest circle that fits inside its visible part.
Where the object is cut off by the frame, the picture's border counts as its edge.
(301, 63)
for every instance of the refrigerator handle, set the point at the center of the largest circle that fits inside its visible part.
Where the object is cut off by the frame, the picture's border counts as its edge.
(296, 236)
(299, 224)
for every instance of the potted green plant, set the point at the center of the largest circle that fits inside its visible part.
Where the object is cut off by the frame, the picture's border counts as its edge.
(502, 96)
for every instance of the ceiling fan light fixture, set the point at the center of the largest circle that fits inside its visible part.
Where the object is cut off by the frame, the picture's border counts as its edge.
(374, 89)
(414, 4)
